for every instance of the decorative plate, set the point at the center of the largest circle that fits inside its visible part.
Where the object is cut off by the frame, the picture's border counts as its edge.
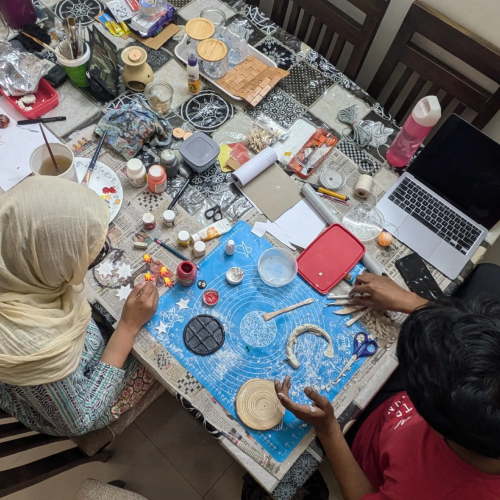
(207, 111)
(104, 182)
(82, 10)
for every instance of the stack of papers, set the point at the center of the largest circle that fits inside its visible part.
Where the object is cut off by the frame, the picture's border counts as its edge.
(300, 226)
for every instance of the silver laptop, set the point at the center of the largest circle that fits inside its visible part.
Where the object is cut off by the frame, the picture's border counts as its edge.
(444, 205)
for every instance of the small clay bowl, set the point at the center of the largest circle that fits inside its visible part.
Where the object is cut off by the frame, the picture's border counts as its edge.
(235, 275)
(210, 297)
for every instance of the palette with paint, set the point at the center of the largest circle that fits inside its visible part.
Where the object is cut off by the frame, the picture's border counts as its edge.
(104, 182)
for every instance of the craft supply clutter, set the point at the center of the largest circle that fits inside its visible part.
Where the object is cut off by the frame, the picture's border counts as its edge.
(235, 310)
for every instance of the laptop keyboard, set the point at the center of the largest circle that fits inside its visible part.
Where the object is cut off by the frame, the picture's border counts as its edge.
(435, 215)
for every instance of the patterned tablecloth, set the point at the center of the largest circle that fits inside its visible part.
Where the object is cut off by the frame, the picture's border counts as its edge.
(314, 92)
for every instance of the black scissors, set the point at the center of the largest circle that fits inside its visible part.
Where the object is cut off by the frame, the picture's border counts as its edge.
(214, 213)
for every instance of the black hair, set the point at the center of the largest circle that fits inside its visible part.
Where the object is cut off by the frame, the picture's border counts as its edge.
(449, 353)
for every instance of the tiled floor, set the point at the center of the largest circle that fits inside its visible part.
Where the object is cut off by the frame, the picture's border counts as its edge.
(164, 455)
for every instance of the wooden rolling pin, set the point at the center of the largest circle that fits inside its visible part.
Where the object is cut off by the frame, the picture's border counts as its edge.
(272, 315)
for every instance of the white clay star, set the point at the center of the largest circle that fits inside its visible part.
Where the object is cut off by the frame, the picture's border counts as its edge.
(105, 269)
(162, 328)
(124, 292)
(124, 271)
(183, 304)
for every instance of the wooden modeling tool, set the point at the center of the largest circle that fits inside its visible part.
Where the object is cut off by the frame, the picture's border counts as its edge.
(358, 316)
(272, 315)
(333, 296)
(348, 310)
(338, 302)
(50, 150)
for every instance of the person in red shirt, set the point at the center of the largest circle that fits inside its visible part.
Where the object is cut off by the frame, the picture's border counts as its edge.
(439, 439)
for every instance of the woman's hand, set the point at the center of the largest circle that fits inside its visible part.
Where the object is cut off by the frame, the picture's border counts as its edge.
(384, 294)
(140, 306)
(319, 414)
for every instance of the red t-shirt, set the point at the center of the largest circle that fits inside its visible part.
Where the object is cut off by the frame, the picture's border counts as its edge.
(405, 459)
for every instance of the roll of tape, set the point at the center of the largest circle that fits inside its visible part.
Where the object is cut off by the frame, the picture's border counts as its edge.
(363, 186)
(331, 179)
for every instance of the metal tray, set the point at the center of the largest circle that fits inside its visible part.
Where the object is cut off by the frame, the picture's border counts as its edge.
(181, 51)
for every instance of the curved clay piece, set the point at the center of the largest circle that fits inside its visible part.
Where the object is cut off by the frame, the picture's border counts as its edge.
(307, 328)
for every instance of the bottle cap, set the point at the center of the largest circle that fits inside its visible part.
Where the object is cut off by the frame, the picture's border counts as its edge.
(148, 218)
(427, 111)
(192, 60)
(167, 155)
(169, 215)
(156, 173)
(200, 247)
(135, 165)
(183, 236)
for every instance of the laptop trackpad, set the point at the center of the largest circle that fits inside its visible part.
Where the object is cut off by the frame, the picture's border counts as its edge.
(420, 239)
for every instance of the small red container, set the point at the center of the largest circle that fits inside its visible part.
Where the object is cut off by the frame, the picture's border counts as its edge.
(186, 273)
(46, 99)
(210, 297)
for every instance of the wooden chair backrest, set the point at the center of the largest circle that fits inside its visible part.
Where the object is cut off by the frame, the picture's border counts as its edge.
(339, 28)
(19, 478)
(429, 23)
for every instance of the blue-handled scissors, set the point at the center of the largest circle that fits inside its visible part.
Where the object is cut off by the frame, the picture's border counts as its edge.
(363, 347)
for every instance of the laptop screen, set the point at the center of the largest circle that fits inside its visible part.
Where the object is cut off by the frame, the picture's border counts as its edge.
(462, 165)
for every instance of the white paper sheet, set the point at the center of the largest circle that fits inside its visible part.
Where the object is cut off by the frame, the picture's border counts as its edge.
(16, 146)
(301, 224)
(260, 228)
(254, 167)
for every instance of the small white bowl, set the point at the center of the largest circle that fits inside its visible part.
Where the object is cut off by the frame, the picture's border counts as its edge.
(235, 275)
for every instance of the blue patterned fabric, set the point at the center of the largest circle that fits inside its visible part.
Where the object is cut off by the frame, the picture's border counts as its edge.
(77, 404)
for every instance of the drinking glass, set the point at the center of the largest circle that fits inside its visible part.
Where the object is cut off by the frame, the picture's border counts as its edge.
(236, 37)
(218, 18)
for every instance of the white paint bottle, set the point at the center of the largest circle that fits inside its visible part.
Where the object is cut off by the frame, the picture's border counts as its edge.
(230, 247)
(136, 173)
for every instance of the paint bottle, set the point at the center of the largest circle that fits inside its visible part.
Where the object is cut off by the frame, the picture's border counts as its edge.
(169, 218)
(149, 221)
(193, 72)
(157, 179)
(170, 163)
(186, 273)
(199, 249)
(136, 173)
(183, 239)
(230, 247)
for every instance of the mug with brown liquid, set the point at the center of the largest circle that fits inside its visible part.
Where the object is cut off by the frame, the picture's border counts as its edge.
(41, 162)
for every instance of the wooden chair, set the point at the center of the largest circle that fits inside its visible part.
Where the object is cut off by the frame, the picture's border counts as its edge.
(468, 47)
(323, 14)
(18, 478)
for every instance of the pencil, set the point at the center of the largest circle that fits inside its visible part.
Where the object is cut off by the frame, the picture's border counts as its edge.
(319, 189)
(172, 250)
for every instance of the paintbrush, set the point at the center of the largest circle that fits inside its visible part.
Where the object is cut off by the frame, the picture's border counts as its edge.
(172, 250)
(86, 178)
(45, 45)
(50, 150)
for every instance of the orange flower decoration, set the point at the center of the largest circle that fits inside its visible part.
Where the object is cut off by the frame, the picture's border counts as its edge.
(148, 277)
(163, 272)
(147, 258)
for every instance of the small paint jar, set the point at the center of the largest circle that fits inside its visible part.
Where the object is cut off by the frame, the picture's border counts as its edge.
(136, 173)
(157, 179)
(169, 162)
(186, 273)
(183, 239)
(149, 221)
(169, 218)
(199, 249)
(230, 247)
(210, 297)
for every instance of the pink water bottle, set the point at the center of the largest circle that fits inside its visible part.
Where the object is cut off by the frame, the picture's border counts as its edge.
(417, 127)
(17, 12)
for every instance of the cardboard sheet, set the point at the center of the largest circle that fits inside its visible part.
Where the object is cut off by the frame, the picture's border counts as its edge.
(157, 41)
(273, 192)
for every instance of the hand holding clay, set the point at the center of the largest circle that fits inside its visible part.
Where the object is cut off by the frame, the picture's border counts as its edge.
(383, 294)
(319, 413)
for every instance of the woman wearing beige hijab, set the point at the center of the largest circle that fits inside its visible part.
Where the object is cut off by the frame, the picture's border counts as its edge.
(57, 375)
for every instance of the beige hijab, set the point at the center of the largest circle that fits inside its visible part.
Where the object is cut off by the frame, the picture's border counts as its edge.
(50, 232)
